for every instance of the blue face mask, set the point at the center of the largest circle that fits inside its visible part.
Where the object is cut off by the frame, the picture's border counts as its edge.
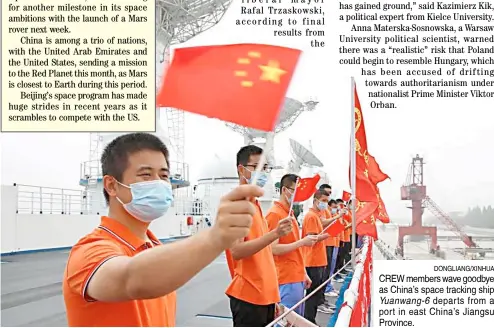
(150, 199)
(262, 178)
(333, 211)
(322, 206)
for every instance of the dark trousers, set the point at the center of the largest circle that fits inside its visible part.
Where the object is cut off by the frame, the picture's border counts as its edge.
(327, 270)
(315, 274)
(340, 260)
(343, 254)
(251, 315)
(348, 252)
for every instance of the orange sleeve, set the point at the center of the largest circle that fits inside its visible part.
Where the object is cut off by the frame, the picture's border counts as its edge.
(310, 223)
(273, 219)
(85, 260)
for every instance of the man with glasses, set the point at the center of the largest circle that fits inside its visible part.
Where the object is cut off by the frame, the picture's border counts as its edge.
(253, 291)
(287, 251)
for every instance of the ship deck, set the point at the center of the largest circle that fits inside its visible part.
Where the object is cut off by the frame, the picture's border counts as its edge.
(31, 289)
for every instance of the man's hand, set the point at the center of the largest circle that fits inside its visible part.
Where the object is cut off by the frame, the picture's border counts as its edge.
(308, 240)
(323, 236)
(234, 217)
(307, 282)
(284, 226)
(278, 309)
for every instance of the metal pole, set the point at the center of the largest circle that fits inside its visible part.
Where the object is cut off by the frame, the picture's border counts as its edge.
(353, 175)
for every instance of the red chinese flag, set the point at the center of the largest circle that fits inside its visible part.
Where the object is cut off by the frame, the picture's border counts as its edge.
(375, 174)
(240, 83)
(306, 187)
(335, 228)
(346, 196)
(365, 188)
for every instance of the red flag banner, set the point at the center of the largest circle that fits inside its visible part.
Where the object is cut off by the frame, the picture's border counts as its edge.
(381, 213)
(376, 175)
(367, 227)
(365, 188)
(346, 196)
(240, 83)
(306, 187)
(364, 210)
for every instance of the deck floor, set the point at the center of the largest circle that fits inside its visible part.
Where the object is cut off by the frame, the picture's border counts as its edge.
(31, 289)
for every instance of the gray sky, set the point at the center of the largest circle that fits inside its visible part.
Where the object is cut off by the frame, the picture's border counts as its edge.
(455, 136)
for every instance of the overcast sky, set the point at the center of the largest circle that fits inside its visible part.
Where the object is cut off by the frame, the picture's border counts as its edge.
(455, 136)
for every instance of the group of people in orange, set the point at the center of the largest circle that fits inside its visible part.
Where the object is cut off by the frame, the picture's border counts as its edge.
(121, 275)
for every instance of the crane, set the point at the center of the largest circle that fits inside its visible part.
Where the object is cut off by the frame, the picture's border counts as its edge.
(415, 190)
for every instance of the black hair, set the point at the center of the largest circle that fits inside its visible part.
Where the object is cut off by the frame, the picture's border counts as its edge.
(331, 202)
(339, 201)
(320, 193)
(287, 180)
(115, 157)
(324, 186)
(246, 152)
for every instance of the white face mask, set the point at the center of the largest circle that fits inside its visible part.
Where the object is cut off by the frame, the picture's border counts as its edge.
(289, 199)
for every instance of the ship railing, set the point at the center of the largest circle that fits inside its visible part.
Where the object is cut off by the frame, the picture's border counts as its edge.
(91, 170)
(48, 200)
(351, 294)
(188, 206)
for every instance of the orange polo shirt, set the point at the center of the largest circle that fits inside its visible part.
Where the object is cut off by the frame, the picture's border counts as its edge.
(315, 256)
(254, 278)
(109, 240)
(290, 266)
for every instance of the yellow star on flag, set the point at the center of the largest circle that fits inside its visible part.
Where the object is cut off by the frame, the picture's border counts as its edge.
(271, 72)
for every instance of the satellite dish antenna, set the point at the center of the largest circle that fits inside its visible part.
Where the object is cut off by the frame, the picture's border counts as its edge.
(301, 156)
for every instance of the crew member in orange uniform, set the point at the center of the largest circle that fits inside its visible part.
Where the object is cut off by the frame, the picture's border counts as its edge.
(253, 291)
(345, 245)
(120, 275)
(315, 258)
(331, 242)
(287, 251)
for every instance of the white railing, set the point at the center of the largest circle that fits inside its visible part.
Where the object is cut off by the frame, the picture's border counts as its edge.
(92, 170)
(351, 294)
(46, 200)
(190, 206)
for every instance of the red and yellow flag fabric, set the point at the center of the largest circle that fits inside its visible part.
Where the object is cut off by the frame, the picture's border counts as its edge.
(365, 188)
(306, 187)
(381, 214)
(240, 83)
(376, 175)
(346, 196)
(364, 210)
(367, 227)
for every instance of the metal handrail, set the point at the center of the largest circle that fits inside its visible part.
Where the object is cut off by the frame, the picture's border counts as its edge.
(48, 200)
(92, 170)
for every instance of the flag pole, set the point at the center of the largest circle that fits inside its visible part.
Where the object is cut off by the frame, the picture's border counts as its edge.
(353, 175)
(293, 198)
